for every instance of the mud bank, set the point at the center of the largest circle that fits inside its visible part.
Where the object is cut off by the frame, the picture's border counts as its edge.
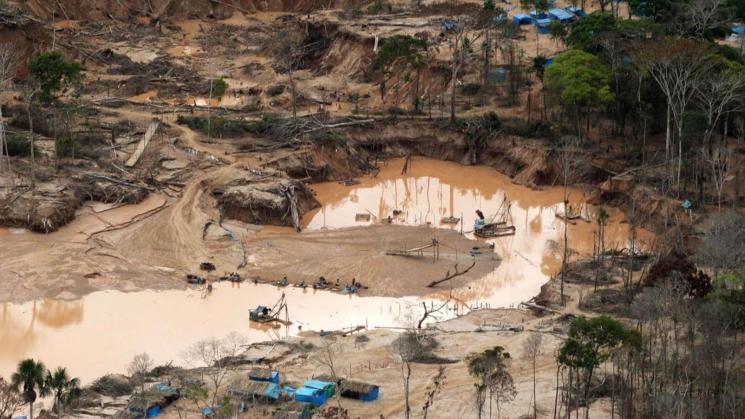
(164, 9)
(529, 162)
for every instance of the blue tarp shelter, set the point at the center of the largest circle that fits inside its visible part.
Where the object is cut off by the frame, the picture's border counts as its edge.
(739, 30)
(311, 395)
(576, 11)
(561, 15)
(264, 375)
(521, 19)
(535, 15)
(541, 25)
(152, 411)
(207, 411)
(327, 386)
(549, 61)
(358, 390)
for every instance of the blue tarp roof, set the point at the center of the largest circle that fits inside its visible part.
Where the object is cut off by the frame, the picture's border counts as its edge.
(560, 14)
(260, 375)
(536, 15)
(576, 10)
(318, 384)
(311, 395)
(740, 30)
(520, 18)
(272, 390)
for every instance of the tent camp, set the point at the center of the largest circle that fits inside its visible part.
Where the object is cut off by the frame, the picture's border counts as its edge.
(575, 10)
(327, 386)
(264, 375)
(255, 391)
(311, 395)
(538, 15)
(561, 15)
(521, 19)
(541, 25)
(359, 390)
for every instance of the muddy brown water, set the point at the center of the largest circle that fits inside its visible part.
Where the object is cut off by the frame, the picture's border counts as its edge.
(101, 332)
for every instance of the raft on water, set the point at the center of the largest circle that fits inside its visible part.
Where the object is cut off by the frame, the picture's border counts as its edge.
(494, 230)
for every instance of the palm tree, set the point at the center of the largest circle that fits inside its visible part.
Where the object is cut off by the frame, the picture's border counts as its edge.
(29, 378)
(64, 388)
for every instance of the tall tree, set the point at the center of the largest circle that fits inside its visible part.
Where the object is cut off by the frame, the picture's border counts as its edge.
(590, 342)
(532, 348)
(409, 347)
(8, 63)
(569, 160)
(580, 81)
(491, 369)
(29, 379)
(395, 56)
(679, 66)
(290, 52)
(64, 388)
(213, 356)
(139, 368)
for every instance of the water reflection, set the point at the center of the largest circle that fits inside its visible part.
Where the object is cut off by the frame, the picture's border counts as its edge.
(101, 332)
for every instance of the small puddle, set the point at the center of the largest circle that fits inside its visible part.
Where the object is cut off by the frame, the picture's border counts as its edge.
(101, 332)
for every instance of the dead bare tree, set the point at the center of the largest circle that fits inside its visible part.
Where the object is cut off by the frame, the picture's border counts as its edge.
(532, 347)
(569, 162)
(10, 399)
(679, 66)
(462, 47)
(139, 367)
(698, 17)
(718, 159)
(433, 389)
(289, 49)
(214, 357)
(409, 347)
(29, 94)
(327, 357)
(718, 95)
(8, 63)
(433, 310)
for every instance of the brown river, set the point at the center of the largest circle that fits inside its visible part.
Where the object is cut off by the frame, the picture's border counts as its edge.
(102, 331)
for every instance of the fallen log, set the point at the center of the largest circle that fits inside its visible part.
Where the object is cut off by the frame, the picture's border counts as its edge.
(451, 276)
(540, 307)
(143, 144)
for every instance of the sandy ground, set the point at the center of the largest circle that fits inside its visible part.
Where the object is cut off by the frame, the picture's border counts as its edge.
(374, 360)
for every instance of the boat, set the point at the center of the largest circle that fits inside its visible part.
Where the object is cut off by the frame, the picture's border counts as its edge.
(498, 225)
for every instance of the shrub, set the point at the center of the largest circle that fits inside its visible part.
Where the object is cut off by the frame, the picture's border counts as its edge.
(18, 145)
(219, 88)
(66, 146)
(53, 72)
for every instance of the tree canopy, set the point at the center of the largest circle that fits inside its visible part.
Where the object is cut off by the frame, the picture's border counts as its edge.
(398, 47)
(591, 340)
(53, 72)
(579, 78)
